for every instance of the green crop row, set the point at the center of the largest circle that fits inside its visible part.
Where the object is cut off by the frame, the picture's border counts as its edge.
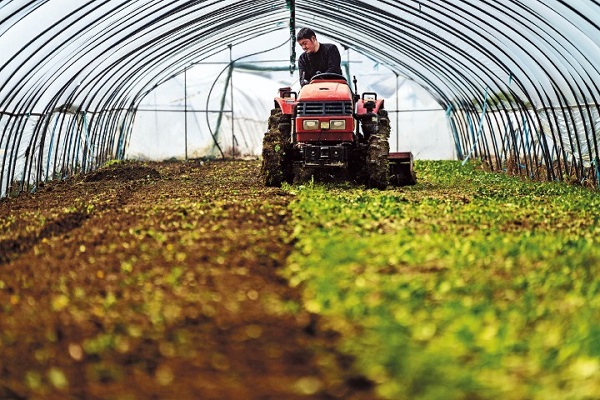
(468, 285)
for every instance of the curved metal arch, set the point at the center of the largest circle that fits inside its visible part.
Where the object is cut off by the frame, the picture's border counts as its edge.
(148, 55)
(567, 78)
(22, 10)
(555, 85)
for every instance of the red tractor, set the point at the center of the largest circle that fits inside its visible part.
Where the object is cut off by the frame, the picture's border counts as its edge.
(328, 130)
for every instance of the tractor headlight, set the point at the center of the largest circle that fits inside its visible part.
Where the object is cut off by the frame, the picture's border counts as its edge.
(310, 124)
(337, 124)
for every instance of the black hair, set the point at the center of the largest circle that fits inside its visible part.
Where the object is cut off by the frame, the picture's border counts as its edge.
(305, 33)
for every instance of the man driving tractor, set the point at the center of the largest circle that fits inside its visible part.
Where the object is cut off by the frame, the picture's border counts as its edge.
(327, 130)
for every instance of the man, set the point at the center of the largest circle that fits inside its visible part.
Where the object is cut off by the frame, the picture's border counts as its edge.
(317, 57)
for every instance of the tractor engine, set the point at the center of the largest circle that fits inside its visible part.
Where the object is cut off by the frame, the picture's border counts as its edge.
(324, 124)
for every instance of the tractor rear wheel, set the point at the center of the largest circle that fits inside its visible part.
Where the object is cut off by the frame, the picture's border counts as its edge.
(378, 174)
(276, 165)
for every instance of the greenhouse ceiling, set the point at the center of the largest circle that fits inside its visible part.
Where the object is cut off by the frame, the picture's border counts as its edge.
(518, 78)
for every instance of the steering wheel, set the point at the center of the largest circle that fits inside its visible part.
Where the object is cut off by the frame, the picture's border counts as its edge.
(328, 75)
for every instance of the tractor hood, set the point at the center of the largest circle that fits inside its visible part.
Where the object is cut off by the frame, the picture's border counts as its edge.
(325, 91)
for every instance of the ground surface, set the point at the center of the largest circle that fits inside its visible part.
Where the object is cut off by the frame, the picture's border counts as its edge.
(159, 280)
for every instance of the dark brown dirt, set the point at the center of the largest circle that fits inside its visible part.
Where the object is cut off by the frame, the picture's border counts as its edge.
(159, 281)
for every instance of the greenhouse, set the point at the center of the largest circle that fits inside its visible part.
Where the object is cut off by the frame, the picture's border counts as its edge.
(514, 85)
(144, 252)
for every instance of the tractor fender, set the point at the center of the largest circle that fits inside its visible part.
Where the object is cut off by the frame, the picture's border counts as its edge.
(361, 110)
(286, 100)
(286, 105)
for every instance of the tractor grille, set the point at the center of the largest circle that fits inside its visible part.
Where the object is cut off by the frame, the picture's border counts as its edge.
(321, 108)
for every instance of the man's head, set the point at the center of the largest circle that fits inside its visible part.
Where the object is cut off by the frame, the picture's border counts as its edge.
(307, 39)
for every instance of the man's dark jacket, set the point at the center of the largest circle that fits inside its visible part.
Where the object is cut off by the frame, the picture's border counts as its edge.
(326, 60)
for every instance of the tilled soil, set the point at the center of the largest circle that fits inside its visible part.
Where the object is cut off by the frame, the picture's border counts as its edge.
(159, 281)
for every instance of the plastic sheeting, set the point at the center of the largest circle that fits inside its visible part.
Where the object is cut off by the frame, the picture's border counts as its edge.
(173, 122)
(159, 130)
(75, 75)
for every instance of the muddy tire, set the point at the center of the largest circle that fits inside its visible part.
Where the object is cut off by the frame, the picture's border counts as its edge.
(377, 165)
(276, 165)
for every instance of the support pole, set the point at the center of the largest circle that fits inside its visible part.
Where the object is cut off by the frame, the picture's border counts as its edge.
(51, 145)
(454, 131)
(479, 128)
(397, 114)
(88, 158)
(231, 96)
(185, 108)
(347, 65)
(292, 6)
